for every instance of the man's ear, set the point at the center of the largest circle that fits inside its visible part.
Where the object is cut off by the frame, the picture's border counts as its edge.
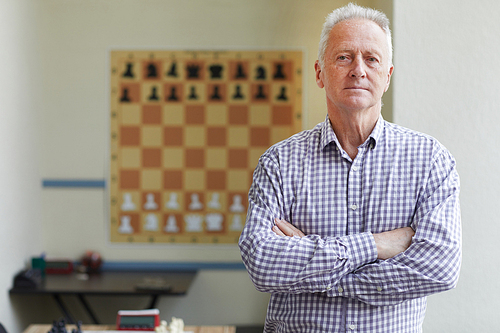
(319, 79)
(389, 75)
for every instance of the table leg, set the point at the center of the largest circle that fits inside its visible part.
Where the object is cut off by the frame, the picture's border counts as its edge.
(152, 304)
(64, 309)
(88, 309)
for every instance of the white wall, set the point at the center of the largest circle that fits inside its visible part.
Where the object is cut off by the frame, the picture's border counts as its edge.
(20, 213)
(446, 84)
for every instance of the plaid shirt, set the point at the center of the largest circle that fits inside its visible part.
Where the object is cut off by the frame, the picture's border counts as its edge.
(331, 280)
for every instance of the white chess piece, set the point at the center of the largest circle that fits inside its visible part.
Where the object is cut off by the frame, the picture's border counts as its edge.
(214, 221)
(195, 202)
(194, 223)
(214, 202)
(172, 202)
(151, 222)
(236, 223)
(150, 202)
(171, 224)
(237, 207)
(127, 204)
(125, 226)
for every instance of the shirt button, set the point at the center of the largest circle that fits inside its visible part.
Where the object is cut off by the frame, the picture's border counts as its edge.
(352, 327)
(379, 288)
(340, 289)
(354, 207)
(354, 168)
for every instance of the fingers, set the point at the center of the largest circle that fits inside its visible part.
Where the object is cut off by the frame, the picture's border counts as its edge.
(283, 228)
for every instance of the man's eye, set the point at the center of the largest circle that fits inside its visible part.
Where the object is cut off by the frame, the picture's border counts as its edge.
(342, 58)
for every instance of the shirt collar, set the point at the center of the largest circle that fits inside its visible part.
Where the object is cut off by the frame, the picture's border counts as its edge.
(328, 135)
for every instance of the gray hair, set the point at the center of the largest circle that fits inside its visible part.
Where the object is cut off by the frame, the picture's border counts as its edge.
(349, 12)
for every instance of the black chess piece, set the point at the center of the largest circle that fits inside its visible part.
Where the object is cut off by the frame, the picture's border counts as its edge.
(154, 94)
(128, 71)
(173, 96)
(125, 97)
(193, 71)
(216, 95)
(282, 96)
(237, 93)
(216, 71)
(152, 71)
(78, 328)
(240, 72)
(279, 72)
(173, 70)
(260, 93)
(261, 73)
(192, 94)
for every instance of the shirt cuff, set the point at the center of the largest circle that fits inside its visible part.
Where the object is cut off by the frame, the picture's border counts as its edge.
(361, 249)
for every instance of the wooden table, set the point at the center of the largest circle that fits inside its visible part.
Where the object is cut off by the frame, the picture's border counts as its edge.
(37, 328)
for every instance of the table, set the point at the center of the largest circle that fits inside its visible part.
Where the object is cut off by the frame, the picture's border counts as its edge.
(111, 283)
(196, 329)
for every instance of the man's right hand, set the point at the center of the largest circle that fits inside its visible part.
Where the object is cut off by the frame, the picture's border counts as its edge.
(391, 243)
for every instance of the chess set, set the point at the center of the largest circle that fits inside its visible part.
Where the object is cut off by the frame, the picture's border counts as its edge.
(187, 130)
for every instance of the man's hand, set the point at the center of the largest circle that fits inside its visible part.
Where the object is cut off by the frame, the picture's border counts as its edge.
(283, 228)
(391, 243)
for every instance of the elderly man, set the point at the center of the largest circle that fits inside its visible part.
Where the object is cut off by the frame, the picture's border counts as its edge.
(372, 208)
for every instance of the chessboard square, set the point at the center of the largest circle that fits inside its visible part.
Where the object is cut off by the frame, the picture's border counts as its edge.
(282, 71)
(151, 114)
(260, 71)
(151, 136)
(130, 93)
(173, 224)
(194, 136)
(130, 158)
(130, 114)
(216, 158)
(216, 115)
(260, 115)
(173, 179)
(151, 200)
(129, 70)
(216, 201)
(216, 71)
(260, 136)
(216, 180)
(195, 70)
(173, 200)
(195, 158)
(173, 114)
(194, 201)
(173, 136)
(195, 93)
(152, 70)
(151, 93)
(282, 115)
(281, 93)
(238, 136)
(260, 92)
(239, 93)
(238, 158)
(238, 70)
(238, 180)
(238, 115)
(173, 158)
(129, 223)
(130, 201)
(216, 136)
(130, 179)
(279, 133)
(130, 136)
(151, 180)
(151, 158)
(173, 70)
(173, 92)
(254, 156)
(195, 114)
(194, 180)
(216, 92)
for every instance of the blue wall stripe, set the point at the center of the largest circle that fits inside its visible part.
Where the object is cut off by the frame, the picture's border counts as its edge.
(169, 266)
(78, 183)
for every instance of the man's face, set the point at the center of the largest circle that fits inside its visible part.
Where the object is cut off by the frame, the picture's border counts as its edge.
(355, 73)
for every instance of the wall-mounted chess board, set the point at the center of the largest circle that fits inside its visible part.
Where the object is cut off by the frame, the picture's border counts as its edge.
(187, 130)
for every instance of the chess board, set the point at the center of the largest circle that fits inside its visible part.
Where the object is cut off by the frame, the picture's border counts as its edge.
(187, 130)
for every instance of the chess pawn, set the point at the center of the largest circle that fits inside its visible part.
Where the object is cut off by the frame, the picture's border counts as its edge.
(237, 207)
(125, 225)
(237, 223)
(171, 224)
(172, 202)
(195, 202)
(214, 202)
(150, 202)
(127, 202)
(151, 222)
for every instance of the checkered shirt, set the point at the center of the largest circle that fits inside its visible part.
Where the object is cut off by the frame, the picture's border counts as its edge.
(331, 280)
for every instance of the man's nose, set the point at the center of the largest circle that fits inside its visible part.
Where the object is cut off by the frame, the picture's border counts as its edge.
(358, 68)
